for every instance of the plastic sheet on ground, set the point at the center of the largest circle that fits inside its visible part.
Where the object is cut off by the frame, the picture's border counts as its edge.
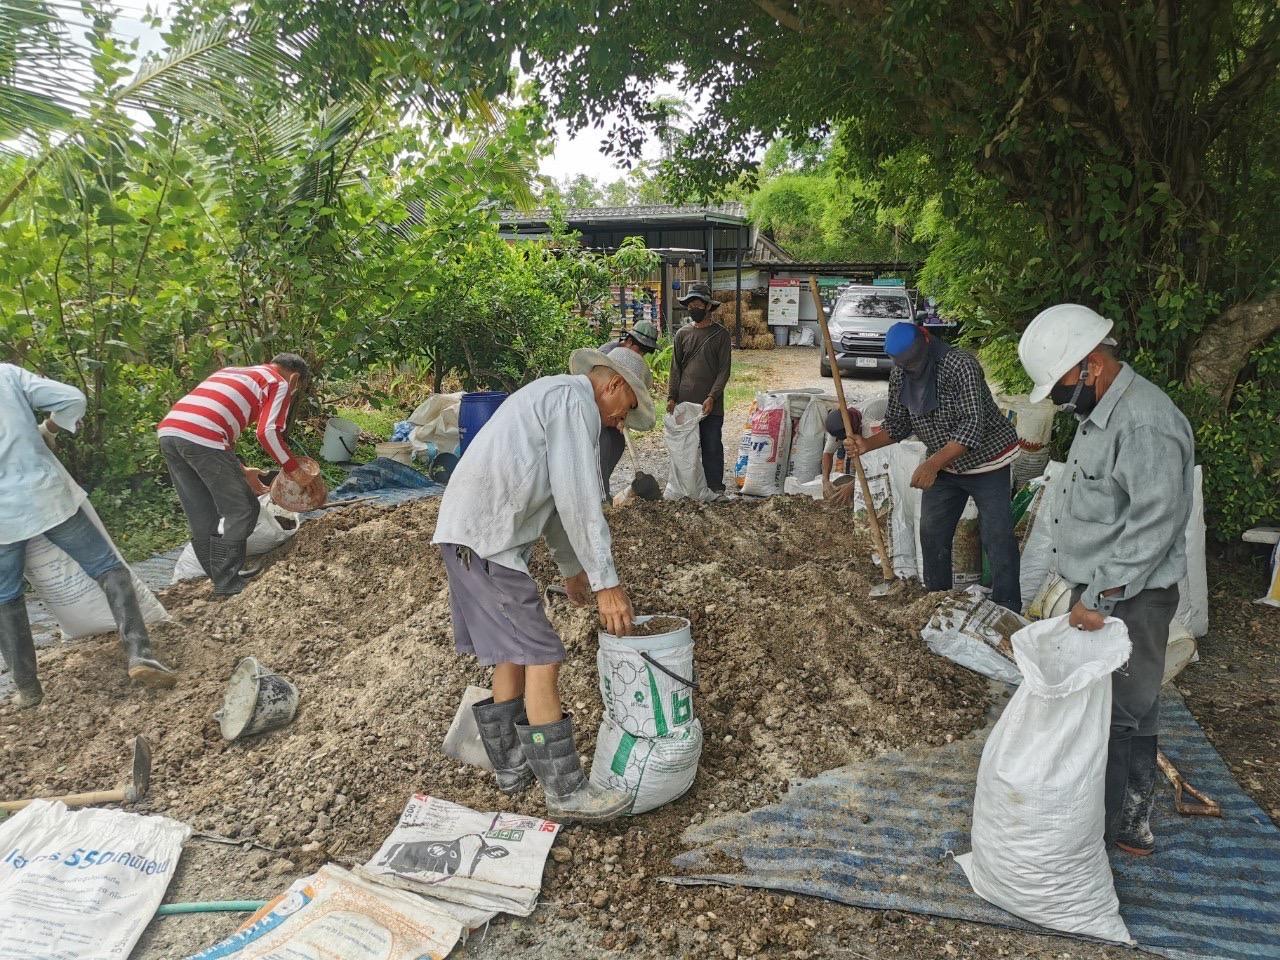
(882, 833)
(82, 883)
(490, 862)
(389, 481)
(337, 914)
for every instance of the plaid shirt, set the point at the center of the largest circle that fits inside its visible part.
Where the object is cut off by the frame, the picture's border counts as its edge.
(966, 413)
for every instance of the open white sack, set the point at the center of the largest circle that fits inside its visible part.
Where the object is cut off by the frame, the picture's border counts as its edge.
(685, 478)
(1038, 810)
(268, 533)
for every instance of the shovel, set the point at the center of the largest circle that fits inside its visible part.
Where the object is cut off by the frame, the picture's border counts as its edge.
(890, 582)
(135, 791)
(644, 485)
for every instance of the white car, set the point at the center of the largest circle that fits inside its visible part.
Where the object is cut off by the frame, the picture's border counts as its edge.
(861, 318)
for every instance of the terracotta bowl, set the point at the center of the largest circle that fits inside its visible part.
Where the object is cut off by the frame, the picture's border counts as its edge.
(300, 497)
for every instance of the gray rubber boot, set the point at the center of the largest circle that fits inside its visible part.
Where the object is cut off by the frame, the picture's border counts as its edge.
(553, 755)
(226, 558)
(497, 723)
(19, 651)
(143, 666)
(1133, 832)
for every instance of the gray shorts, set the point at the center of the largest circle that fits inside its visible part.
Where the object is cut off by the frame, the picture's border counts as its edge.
(498, 613)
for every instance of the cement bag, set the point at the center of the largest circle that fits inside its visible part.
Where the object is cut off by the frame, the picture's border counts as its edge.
(684, 451)
(806, 447)
(483, 861)
(770, 447)
(744, 449)
(976, 633)
(1034, 424)
(73, 597)
(275, 525)
(335, 913)
(646, 682)
(82, 883)
(1037, 548)
(654, 770)
(1038, 813)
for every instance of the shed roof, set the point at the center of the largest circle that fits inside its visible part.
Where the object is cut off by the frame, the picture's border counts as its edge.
(731, 214)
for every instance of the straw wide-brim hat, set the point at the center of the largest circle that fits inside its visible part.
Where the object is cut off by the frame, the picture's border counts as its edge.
(632, 368)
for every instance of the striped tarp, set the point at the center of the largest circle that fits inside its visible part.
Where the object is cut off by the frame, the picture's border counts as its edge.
(884, 834)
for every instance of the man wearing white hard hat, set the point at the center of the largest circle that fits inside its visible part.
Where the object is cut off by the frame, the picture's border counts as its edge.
(533, 473)
(1119, 513)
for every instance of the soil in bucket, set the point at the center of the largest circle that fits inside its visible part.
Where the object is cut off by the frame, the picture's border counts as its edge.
(656, 626)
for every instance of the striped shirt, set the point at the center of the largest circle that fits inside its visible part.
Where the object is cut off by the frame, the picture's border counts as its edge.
(214, 413)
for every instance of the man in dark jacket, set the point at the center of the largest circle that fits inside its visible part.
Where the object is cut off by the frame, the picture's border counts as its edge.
(939, 393)
(700, 363)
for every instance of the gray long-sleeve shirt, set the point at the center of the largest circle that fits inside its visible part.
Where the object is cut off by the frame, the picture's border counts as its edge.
(700, 364)
(1120, 514)
(533, 473)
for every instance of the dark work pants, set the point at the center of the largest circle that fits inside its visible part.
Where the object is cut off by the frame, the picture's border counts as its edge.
(940, 510)
(1135, 687)
(710, 430)
(211, 485)
(612, 443)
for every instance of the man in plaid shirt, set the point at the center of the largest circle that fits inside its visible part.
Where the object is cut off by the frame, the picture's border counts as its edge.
(939, 394)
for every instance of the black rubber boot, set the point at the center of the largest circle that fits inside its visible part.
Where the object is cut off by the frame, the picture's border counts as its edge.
(1119, 749)
(19, 651)
(226, 558)
(200, 547)
(1133, 831)
(553, 755)
(497, 723)
(143, 666)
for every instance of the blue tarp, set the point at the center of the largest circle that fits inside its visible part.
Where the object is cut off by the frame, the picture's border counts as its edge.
(389, 481)
(884, 833)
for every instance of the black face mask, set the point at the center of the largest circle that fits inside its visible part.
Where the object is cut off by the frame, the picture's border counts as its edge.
(1079, 398)
(698, 314)
(914, 361)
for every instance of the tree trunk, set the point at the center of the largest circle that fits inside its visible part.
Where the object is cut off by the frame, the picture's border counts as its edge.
(1223, 348)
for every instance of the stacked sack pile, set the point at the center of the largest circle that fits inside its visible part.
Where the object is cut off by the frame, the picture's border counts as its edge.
(756, 334)
(649, 742)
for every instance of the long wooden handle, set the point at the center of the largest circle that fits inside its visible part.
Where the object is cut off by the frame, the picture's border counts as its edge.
(631, 451)
(886, 566)
(71, 799)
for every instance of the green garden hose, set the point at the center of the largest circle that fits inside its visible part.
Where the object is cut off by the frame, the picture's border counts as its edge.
(211, 906)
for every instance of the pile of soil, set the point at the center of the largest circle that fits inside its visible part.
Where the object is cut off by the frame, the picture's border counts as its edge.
(799, 671)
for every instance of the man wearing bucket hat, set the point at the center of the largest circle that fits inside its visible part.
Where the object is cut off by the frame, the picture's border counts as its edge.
(700, 362)
(939, 394)
(39, 498)
(198, 440)
(1119, 516)
(533, 473)
(642, 338)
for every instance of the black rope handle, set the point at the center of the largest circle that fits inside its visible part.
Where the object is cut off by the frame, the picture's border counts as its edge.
(691, 684)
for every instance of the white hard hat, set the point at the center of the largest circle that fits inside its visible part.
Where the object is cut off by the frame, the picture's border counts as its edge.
(1057, 340)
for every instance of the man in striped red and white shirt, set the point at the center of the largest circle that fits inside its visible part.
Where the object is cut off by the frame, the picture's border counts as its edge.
(198, 439)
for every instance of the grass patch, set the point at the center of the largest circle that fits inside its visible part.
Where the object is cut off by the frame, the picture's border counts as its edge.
(744, 384)
(379, 423)
(143, 518)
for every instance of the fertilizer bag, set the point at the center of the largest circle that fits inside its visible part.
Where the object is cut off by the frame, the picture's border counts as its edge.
(684, 451)
(1038, 813)
(76, 884)
(646, 682)
(72, 596)
(806, 448)
(654, 770)
(769, 457)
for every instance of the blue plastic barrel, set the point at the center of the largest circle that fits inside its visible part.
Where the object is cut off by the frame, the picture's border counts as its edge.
(474, 413)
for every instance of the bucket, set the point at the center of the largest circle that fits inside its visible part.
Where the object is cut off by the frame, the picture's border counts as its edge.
(473, 413)
(1053, 600)
(647, 682)
(339, 444)
(299, 498)
(781, 335)
(401, 451)
(257, 700)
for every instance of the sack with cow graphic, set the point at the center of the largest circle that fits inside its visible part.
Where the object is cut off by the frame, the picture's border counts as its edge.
(487, 861)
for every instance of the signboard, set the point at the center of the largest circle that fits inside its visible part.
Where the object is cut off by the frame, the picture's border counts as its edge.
(830, 288)
(784, 302)
(888, 282)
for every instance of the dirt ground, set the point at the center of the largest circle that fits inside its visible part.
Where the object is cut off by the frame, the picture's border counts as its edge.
(799, 672)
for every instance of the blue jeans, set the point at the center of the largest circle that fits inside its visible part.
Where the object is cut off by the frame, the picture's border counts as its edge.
(77, 537)
(940, 510)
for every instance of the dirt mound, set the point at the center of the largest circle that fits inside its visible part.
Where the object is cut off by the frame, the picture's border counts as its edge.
(798, 670)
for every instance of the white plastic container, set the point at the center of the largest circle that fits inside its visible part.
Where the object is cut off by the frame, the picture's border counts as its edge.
(340, 437)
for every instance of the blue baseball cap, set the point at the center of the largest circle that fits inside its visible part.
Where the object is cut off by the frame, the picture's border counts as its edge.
(900, 337)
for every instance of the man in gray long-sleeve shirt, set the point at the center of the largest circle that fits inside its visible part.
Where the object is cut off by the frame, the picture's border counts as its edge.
(700, 364)
(532, 473)
(1119, 520)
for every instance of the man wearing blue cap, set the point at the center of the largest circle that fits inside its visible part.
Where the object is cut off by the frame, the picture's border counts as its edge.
(939, 394)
